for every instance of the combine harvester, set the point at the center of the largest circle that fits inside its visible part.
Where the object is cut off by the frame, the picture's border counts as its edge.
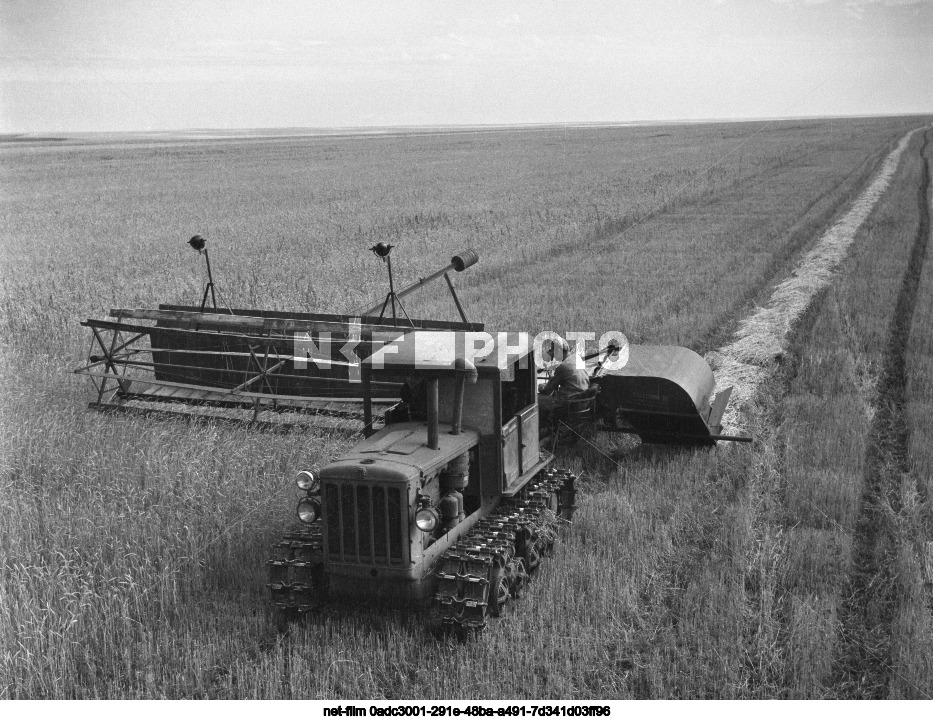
(450, 496)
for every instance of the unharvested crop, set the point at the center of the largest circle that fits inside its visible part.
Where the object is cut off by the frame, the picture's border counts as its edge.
(132, 550)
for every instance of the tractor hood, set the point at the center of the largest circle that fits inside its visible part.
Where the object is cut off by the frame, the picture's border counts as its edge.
(399, 453)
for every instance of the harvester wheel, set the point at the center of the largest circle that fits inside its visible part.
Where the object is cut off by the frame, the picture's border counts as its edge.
(499, 591)
(284, 618)
(518, 575)
(532, 556)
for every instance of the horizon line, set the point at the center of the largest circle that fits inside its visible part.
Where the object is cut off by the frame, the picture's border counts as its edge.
(442, 127)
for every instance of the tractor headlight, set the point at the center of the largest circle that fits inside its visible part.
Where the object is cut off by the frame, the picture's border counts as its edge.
(309, 510)
(308, 481)
(427, 519)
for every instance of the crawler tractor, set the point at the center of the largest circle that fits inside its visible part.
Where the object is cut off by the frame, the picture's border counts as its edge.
(458, 507)
(450, 498)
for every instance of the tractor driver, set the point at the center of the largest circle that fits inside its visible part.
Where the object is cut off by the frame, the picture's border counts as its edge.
(569, 379)
(414, 396)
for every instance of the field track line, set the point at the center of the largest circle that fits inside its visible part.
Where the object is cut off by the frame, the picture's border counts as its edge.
(865, 663)
(762, 337)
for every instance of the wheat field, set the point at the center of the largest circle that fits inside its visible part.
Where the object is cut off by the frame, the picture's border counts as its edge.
(132, 550)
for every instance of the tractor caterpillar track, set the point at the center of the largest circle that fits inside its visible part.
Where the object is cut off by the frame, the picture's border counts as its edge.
(293, 570)
(476, 578)
(491, 564)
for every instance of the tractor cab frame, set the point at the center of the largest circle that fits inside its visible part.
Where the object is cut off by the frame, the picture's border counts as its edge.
(491, 390)
(468, 439)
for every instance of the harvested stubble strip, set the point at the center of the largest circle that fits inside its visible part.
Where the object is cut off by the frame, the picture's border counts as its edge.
(911, 654)
(762, 338)
(817, 543)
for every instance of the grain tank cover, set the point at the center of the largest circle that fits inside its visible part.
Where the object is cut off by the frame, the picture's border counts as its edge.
(663, 392)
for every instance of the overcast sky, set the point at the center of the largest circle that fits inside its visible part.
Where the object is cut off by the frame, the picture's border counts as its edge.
(166, 64)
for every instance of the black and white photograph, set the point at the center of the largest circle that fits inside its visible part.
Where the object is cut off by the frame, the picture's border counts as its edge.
(434, 358)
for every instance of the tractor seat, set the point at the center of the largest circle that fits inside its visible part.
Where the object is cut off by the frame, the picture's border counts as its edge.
(571, 418)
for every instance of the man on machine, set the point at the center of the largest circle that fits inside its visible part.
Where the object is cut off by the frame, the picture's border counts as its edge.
(569, 379)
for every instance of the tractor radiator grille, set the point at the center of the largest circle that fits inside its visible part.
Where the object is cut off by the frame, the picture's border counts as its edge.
(364, 524)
